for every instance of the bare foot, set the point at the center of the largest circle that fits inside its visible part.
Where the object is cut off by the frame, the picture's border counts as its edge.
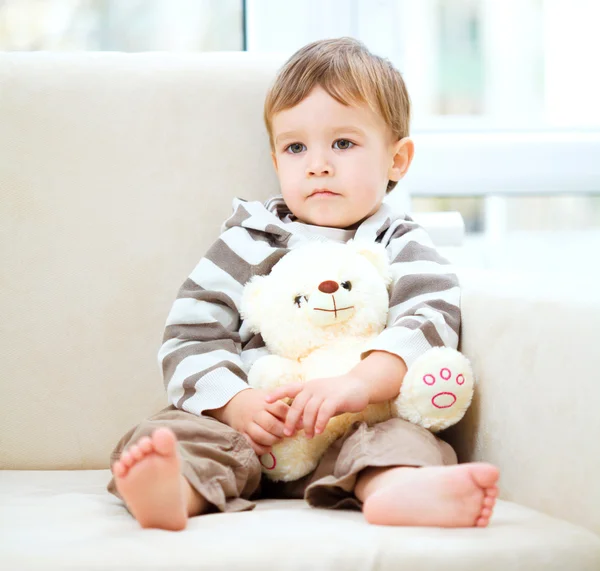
(446, 496)
(148, 477)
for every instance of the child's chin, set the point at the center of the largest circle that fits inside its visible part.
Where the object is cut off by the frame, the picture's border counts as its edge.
(331, 221)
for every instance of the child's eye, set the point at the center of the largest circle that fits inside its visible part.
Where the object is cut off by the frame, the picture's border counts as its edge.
(343, 144)
(295, 148)
(347, 285)
(300, 299)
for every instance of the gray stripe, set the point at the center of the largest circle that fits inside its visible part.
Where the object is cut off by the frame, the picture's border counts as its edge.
(412, 324)
(403, 227)
(414, 251)
(200, 332)
(190, 289)
(259, 236)
(428, 329)
(451, 313)
(190, 382)
(226, 259)
(266, 266)
(271, 203)
(272, 235)
(414, 285)
(277, 206)
(283, 236)
(172, 360)
(383, 228)
(239, 269)
(237, 218)
(271, 232)
(255, 342)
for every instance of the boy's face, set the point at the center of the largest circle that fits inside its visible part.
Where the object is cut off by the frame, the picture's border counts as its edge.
(334, 161)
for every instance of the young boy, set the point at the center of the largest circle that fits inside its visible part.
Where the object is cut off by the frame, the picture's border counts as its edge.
(337, 118)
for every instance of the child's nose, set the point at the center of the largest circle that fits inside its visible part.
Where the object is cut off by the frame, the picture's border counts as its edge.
(319, 166)
(319, 170)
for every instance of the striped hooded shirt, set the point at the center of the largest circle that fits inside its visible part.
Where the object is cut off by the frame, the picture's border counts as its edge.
(207, 350)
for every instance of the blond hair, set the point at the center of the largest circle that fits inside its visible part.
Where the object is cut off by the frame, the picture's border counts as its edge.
(349, 73)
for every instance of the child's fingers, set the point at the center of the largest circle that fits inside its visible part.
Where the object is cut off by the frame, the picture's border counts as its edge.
(261, 436)
(310, 415)
(282, 392)
(258, 449)
(270, 423)
(326, 411)
(296, 410)
(278, 409)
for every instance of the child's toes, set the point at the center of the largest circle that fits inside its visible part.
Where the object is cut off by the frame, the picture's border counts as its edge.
(136, 452)
(127, 459)
(489, 502)
(118, 469)
(145, 444)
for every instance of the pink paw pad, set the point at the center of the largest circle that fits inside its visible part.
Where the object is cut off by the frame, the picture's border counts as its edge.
(268, 461)
(444, 399)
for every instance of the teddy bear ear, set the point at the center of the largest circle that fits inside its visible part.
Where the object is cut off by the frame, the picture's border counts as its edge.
(251, 302)
(376, 254)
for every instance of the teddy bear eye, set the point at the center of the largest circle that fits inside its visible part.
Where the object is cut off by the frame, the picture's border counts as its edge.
(347, 285)
(299, 299)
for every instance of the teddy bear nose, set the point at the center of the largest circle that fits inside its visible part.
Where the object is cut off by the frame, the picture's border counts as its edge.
(328, 287)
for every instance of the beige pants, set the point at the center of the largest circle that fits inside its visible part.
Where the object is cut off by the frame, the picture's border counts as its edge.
(222, 467)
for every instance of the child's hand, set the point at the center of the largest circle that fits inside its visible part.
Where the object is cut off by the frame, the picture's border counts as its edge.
(260, 422)
(316, 401)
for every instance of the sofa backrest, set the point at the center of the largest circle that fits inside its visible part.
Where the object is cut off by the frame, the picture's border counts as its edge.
(116, 171)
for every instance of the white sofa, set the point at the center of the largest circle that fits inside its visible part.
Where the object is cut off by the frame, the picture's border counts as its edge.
(115, 174)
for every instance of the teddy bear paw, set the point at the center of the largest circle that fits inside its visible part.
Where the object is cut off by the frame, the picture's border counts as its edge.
(437, 389)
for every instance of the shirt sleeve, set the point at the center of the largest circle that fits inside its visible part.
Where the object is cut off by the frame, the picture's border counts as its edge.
(424, 297)
(201, 352)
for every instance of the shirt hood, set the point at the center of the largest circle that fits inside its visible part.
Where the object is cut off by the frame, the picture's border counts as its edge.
(272, 218)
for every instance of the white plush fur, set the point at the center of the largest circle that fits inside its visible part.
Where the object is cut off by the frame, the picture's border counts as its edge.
(312, 333)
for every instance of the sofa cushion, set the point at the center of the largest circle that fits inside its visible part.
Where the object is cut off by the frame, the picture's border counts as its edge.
(116, 172)
(67, 520)
(532, 339)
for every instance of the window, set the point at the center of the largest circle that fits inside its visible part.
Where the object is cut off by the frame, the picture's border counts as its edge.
(504, 96)
(505, 92)
(520, 64)
(117, 25)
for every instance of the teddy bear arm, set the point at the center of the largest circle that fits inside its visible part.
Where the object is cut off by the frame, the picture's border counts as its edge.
(272, 371)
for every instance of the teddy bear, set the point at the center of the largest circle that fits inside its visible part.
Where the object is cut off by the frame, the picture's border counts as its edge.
(317, 311)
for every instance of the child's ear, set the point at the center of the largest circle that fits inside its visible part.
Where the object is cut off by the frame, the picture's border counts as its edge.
(274, 159)
(251, 303)
(403, 152)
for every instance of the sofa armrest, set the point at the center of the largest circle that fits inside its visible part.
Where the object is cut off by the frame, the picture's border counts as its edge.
(531, 340)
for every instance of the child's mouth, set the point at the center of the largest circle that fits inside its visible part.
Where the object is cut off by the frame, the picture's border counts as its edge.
(323, 192)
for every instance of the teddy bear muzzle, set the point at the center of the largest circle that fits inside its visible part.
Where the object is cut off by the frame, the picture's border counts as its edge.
(330, 304)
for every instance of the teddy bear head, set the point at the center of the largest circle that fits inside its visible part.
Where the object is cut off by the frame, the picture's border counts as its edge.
(317, 293)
